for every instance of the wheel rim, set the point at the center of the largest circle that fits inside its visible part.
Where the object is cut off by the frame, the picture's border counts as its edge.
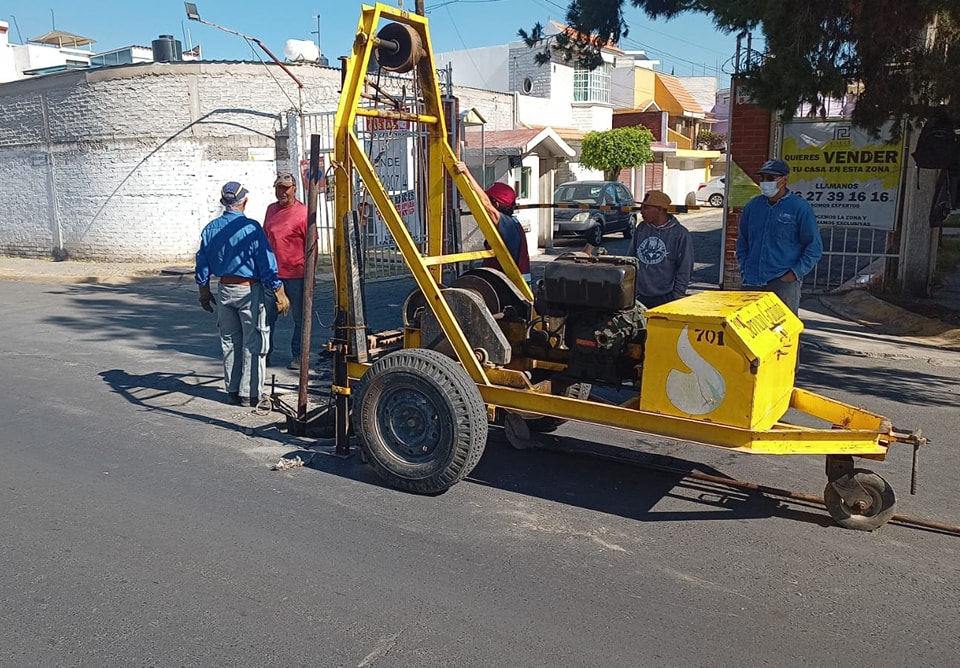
(410, 425)
(716, 200)
(596, 235)
(875, 506)
(872, 513)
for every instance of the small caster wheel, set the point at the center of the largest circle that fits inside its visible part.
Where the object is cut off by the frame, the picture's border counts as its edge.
(518, 433)
(876, 503)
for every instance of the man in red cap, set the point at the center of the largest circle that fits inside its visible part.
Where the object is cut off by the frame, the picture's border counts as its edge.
(499, 201)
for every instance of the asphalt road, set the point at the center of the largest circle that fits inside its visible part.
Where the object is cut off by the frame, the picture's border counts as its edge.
(142, 525)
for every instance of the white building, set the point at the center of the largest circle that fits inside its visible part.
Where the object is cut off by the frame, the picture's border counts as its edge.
(52, 52)
(574, 100)
(576, 97)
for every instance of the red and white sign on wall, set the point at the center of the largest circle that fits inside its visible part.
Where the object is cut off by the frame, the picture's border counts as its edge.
(390, 148)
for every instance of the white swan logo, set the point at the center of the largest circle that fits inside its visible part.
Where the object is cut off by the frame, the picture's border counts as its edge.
(700, 391)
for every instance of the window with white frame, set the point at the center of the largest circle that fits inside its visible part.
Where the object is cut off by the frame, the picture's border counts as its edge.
(523, 191)
(592, 85)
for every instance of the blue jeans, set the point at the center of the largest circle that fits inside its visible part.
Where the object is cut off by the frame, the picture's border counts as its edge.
(294, 289)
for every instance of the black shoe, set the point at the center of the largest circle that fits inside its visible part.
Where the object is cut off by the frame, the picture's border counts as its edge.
(294, 363)
(233, 398)
(255, 401)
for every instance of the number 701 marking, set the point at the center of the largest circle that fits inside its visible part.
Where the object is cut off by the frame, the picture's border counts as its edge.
(711, 336)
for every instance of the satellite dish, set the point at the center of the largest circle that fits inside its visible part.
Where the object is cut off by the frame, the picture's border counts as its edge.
(301, 51)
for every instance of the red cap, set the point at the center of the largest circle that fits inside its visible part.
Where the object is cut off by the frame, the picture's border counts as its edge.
(503, 194)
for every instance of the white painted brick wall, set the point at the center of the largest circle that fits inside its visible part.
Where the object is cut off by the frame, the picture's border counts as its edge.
(126, 164)
(496, 108)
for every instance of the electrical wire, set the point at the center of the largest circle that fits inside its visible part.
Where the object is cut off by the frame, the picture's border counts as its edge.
(260, 58)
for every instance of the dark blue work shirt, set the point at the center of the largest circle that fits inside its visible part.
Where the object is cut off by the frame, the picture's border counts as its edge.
(234, 245)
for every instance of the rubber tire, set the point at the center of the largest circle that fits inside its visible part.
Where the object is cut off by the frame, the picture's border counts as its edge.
(427, 388)
(594, 235)
(547, 424)
(879, 490)
(631, 226)
(716, 199)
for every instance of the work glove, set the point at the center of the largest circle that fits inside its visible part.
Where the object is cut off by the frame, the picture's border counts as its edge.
(283, 303)
(206, 298)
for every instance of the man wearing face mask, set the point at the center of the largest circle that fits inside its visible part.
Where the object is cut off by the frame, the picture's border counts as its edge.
(779, 241)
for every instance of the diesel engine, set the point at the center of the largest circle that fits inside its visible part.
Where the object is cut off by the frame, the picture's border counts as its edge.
(588, 303)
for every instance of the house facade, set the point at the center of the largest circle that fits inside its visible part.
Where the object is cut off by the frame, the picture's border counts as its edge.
(624, 90)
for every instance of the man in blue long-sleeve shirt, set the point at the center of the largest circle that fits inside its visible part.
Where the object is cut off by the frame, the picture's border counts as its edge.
(235, 249)
(779, 241)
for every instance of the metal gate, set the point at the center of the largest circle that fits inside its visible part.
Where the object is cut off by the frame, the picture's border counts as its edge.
(851, 256)
(395, 149)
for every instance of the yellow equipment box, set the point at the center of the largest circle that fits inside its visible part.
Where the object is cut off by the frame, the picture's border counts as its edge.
(722, 357)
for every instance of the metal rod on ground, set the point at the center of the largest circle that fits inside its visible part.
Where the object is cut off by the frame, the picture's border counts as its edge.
(309, 279)
(797, 496)
(763, 489)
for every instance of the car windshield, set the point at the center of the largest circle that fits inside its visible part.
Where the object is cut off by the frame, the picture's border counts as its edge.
(582, 193)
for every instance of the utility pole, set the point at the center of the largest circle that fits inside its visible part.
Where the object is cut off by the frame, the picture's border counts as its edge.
(419, 7)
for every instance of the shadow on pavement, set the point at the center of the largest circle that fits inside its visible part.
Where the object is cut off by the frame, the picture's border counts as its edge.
(822, 371)
(159, 313)
(171, 393)
(586, 480)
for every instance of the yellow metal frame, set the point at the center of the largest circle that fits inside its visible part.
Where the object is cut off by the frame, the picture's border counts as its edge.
(349, 155)
(854, 431)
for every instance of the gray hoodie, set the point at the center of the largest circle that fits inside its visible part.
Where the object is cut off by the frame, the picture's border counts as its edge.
(666, 259)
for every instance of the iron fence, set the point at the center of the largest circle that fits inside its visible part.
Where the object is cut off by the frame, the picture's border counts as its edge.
(851, 255)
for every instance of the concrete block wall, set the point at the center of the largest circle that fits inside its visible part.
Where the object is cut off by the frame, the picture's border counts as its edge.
(588, 116)
(497, 109)
(523, 66)
(126, 163)
(749, 143)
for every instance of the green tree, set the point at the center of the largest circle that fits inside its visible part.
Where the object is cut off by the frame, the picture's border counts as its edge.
(902, 57)
(617, 149)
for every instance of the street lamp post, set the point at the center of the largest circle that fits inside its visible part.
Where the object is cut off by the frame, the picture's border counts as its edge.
(194, 15)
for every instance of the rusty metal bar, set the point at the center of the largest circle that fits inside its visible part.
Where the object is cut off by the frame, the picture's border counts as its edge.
(909, 520)
(309, 275)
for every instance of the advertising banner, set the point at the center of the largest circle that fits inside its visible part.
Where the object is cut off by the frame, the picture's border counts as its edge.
(849, 176)
(391, 150)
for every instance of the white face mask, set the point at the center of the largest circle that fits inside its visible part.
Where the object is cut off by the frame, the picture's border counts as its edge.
(769, 188)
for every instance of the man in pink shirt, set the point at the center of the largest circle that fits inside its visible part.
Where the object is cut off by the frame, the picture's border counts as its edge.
(285, 225)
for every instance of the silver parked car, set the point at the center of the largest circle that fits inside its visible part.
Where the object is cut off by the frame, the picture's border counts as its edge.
(592, 224)
(711, 191)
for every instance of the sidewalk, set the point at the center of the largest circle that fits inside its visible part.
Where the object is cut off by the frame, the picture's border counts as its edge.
(855, 323)
(69, 271)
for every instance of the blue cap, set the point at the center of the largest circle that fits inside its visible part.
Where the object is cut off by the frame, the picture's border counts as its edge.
(775, 167)
(232, 192)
